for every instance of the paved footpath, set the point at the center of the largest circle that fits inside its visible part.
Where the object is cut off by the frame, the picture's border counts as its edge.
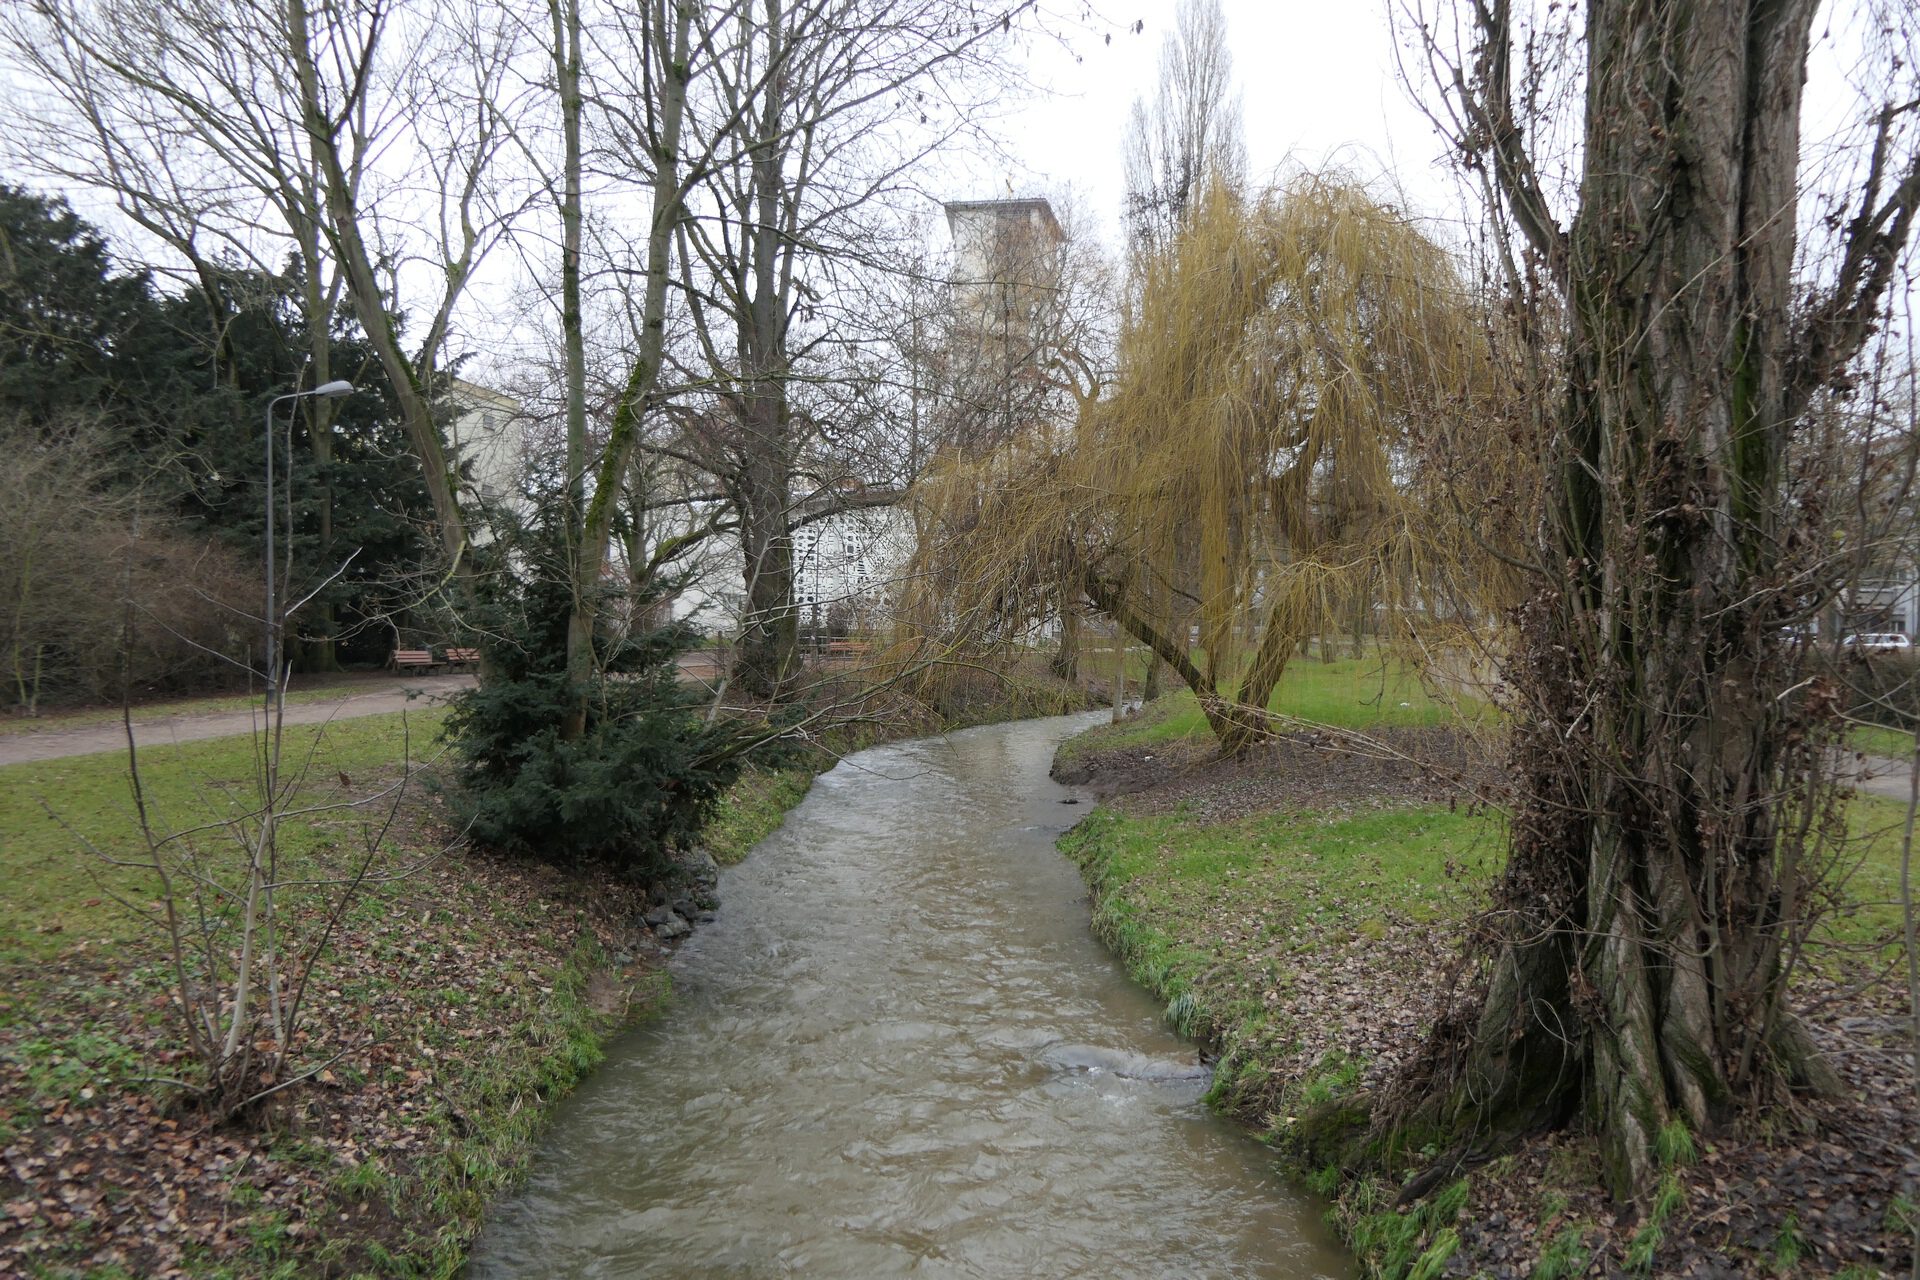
(371, 698)
(1879, 775)
(360, 697)
(1885, 776)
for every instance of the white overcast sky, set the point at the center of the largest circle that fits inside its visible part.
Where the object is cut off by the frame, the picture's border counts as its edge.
(1318, 86)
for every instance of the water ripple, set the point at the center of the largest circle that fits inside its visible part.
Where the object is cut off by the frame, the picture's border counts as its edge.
(899, 1051)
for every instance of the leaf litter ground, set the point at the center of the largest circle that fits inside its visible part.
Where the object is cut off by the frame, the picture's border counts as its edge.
(452, 1004)
(1311, 902)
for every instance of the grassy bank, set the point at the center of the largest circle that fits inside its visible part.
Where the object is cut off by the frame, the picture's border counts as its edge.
(1878, 740)
(753, 808)
(1237, 925)
(1306, 928)
(456, 999)
(1348, 693)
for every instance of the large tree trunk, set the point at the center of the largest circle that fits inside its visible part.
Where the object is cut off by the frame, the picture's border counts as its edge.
(565, 15)
(768, 657)
(1235, 726)
(319, 650)
(1649, 887)
(1065, 662)
(373, 308)
(668, 36)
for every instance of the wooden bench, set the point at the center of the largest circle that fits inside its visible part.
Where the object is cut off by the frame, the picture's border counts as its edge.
(405, 660)
(462, 657)
(847, 648)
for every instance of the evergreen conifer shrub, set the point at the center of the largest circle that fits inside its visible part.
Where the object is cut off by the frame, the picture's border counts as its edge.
(640, 781)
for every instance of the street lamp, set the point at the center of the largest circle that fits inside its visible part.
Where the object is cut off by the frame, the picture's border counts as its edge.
(326, 391)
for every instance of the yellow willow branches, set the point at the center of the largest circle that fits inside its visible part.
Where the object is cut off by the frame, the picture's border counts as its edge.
(1260, 468)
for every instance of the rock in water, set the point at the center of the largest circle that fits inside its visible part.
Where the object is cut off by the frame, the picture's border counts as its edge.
(1094, 1060)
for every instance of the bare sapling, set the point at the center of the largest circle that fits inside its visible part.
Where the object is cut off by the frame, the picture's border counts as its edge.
(244, 919)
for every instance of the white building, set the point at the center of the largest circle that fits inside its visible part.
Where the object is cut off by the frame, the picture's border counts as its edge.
(846, 567)
(1005, 258)
(1006, 275)
(1887, 601)
(487, 446)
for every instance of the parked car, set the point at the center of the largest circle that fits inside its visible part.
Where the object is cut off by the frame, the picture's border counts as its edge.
(1877, 642)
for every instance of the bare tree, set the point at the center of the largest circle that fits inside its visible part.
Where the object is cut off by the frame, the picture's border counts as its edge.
(216, 893)
(796, 206)
(649, 59)
(1189, 136)
(1669, 762)
(75, 540)
(211, 189)
(447, 97)
(217, 124)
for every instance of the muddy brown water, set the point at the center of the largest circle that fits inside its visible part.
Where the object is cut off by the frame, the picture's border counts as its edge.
(900, 1050)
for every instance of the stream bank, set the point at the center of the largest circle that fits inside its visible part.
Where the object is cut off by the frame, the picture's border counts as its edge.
(899, 1049)
(1300, 911)
(476, 991)
(464, 996)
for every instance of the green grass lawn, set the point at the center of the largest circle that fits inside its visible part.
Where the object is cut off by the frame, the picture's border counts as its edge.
(1284, 939)
(1176, 896)
(1210, 915)
(1237, 926)
(1878, 740)
(60, 894)
(1350, 693)
(1867, 915)
(1168, 884)
(1348, 872)
(465, 989)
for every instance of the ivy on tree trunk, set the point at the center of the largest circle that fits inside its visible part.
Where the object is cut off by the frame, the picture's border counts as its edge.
(1652, 888)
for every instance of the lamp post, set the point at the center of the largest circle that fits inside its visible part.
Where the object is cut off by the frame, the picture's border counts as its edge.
(326, 391)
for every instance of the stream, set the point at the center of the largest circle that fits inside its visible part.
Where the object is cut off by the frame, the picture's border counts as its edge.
(901, 1050)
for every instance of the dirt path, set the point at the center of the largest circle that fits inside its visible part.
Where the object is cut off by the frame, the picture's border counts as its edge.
(367, 699)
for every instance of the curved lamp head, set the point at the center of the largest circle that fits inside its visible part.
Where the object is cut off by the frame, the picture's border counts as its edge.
(332, 389)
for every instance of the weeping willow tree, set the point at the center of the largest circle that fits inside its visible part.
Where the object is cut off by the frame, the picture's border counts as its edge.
(1252, 468)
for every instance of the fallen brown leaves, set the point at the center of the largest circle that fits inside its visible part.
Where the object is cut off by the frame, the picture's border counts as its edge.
(433, 984)
(1811, 1188)
(1324, 773)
